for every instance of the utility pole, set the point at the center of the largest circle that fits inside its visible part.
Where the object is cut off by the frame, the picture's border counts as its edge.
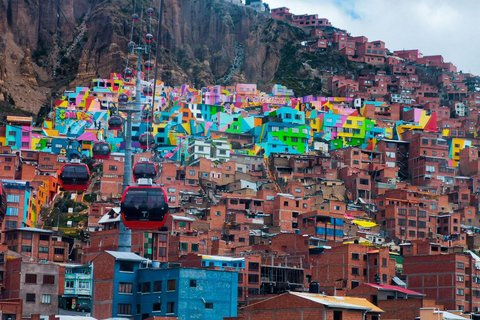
(130, 108)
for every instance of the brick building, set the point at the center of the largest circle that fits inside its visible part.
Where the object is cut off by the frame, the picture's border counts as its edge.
(37, 244)
(310, 306)
(453, 280)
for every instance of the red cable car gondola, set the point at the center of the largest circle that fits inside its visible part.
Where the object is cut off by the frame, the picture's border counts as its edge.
(148, 65)
(134, 17)
(127, 73)
(150, 11)
(148, 91)
(74, 177)
(131, 44)
(144, 206)
(149, 37)
(144, 169)
(146, 115)
(115, 123)
(101, 150)
(123, 98)
(146, 140)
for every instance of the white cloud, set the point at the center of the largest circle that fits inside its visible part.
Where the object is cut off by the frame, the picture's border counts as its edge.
(449, 28)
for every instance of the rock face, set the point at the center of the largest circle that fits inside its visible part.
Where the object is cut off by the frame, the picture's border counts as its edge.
(48, 45)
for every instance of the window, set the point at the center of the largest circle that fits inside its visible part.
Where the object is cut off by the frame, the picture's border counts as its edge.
(13, 198)
(30, 278)
(48, 279)
(460, 265)
(46, 298)
(84, 285)
(70, 284)
(125, 287)
(460, 292)
(337, 315)
(355, 284)
(460, 278)
(157, 307)
(26, 236)
(124, 308)
(355, 272)
(253, 266)
(112, 168)
(170, 307)
(44, 237)
(43, 249)
(26, 248)
(194, 247)
(355, 256)
(182, 224)
(253, 278)
(157, 286)
(183, 246)
(125, 266)
(193, 283)
(208, 305)
(162, 252)
(30, 297)
(146, 287)
(14, 213)
(384, 277)
(364, 182)
(171, 284)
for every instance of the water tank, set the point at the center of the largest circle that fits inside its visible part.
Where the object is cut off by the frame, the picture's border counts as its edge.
(156, 264)
(314, 287)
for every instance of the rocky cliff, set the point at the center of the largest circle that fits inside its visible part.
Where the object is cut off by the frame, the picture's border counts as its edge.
(47, 45)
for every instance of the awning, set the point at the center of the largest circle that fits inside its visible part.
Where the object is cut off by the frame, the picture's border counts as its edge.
(364, 224)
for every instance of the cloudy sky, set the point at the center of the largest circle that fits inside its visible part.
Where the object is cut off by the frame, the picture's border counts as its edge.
(447, 27)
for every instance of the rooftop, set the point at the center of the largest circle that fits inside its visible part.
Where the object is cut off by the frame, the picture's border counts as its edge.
(126, 256)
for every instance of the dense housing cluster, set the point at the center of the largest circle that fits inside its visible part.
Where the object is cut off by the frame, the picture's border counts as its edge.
(355, 206)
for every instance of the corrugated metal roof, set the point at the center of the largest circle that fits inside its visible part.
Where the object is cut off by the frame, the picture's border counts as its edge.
(30, 229)
(182, 218)
(126, 256)
(222, 258)
(108, 218)
(339, 302)
(395, 288)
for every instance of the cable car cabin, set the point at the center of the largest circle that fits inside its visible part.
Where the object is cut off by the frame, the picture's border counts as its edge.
(101, 150)
(115, 123)
(145, 169)
(146, 140)
(144, 207)
(74, 177)
(147, 115)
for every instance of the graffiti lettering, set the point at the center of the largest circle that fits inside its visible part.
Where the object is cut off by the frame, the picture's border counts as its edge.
(272, 100)
(75, 115)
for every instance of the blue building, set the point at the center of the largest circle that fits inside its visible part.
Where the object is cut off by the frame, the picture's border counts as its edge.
(127, 285)
(78, 287)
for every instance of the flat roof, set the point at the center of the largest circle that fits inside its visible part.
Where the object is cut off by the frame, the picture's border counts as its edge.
(126, 256)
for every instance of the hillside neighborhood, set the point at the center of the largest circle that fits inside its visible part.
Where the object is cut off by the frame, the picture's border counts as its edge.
(363, 204)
